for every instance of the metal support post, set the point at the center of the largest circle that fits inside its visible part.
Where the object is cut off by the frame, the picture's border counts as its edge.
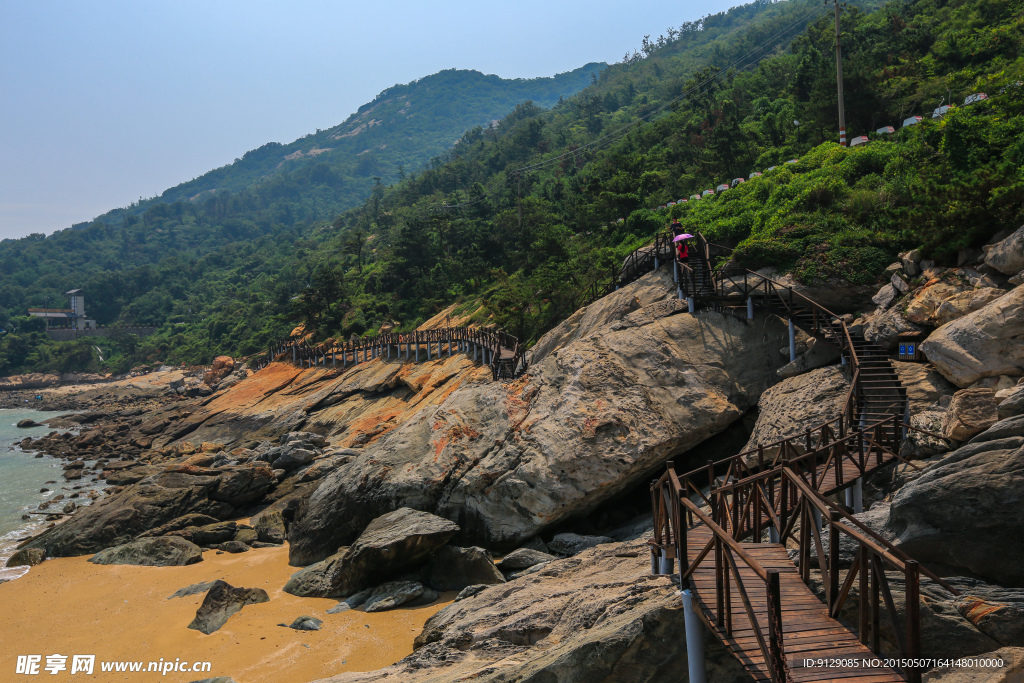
(665, 563)
(792, 341)
(750, 308)
(858, 495)
(694, 641)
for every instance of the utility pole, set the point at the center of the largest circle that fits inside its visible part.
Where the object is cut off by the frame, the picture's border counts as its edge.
(839, 81)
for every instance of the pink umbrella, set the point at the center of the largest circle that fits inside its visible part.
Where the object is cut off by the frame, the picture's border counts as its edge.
(684, 236)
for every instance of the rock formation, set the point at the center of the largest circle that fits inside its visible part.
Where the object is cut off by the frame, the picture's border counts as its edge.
(590, 419)
(985, 343)
(599, 616)
(963, 512)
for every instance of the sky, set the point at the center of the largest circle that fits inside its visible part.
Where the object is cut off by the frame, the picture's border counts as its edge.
(105, 102)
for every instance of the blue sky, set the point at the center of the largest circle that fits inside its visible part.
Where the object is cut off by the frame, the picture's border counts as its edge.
(104, 102)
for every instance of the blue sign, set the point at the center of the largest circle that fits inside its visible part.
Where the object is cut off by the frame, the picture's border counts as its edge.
(903, 349)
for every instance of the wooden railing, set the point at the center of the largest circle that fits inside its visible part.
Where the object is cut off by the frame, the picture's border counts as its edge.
(784, 504)
(495, 348)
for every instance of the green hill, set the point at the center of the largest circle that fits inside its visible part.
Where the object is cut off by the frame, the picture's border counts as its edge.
(521, 215)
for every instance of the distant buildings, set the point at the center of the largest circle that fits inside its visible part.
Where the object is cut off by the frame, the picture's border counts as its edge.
(66, 318)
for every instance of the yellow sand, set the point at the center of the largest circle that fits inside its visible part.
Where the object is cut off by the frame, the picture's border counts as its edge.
(120, 613)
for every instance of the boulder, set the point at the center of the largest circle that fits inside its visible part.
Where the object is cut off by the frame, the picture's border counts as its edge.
(233, 547)
(573, 544)
(885, 296)
(26, 423)
(924, 302)
(600, 408)
(210, 534)
(597, 618)
(293, 458)
(1007, 256)
(314, 580)
(388, 546)
(221, 601)
(247, 536)
(985, 343)
(884, 328)
(164, 551)
(452, 568)
(961, 513)
(523, 558)
(270, 527)
(26, 557)
(154, 501)
(789, 407)
(392, 594)
(971, 412)
(306, 623)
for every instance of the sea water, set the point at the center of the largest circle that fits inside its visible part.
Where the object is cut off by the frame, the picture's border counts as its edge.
(22, 475)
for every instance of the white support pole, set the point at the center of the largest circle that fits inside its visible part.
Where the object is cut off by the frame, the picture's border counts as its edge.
(817, 519)
(694, 641)
(750, 308)
(773, 535)
(665, 563)
(792, 341)
(858, 495)
(428, 350)
(675, 271)
(691, 305)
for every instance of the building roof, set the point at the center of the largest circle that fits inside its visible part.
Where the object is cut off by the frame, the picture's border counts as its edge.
(52, 313)
(74, 291)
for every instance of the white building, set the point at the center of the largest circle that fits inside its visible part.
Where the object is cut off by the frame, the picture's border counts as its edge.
(72, 318)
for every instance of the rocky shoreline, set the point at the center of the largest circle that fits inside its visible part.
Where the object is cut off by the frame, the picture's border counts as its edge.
(391, 483)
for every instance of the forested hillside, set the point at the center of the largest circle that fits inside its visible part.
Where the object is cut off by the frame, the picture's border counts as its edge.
(520, 215)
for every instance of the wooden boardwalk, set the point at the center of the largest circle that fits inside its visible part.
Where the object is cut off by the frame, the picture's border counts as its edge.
(809, 631)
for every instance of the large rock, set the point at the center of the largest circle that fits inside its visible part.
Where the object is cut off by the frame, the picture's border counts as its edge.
(924, 302)
(963, 512)
(985, 343)
(221, 601)
(884, 328)
(390, 545)
(26, 557)
(971, 412)
(596, 617)
(794, 404)
(154, 501)
(270, 527)
(1007, 256)
(453, 568)
(165, 551)
(392, 594)
(523, 558)
(923, 383)
(589, 421)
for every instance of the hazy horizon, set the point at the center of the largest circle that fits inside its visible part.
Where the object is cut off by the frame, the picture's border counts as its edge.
(107, 103)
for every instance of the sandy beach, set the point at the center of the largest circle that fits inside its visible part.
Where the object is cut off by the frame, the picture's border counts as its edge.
(68, 606)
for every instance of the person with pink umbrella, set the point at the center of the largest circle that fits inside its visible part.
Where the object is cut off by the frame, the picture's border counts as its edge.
(683, 247)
